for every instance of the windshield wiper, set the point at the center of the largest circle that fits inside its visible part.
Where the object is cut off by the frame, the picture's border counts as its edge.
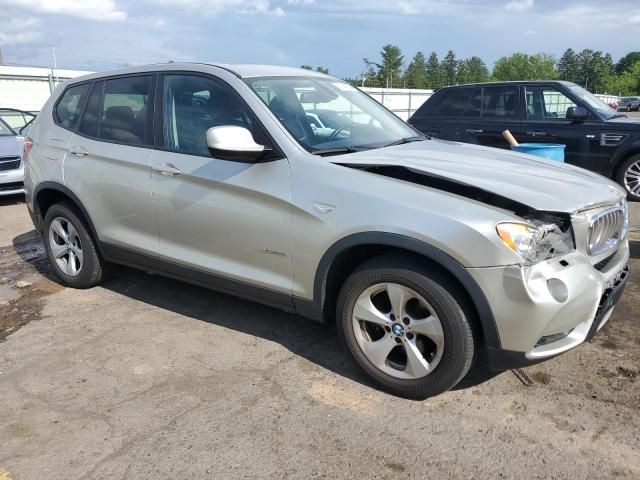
(402, 141)
(618, 116)
(334, 151)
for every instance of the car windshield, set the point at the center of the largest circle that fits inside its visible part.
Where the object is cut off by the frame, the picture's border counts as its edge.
(328, 116)
(594, 102)
(5, 130)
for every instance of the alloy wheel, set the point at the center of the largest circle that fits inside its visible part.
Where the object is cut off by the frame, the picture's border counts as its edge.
(632, 178)
(66, 247)
(398, 331)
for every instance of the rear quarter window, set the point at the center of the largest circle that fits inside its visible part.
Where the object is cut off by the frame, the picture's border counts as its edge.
(68, 108)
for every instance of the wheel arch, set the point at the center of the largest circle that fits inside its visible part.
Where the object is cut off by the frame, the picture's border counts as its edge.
(47, 194)
(348, 253)
(623, 157)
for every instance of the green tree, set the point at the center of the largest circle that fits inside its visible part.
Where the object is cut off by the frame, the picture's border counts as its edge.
(449, 68)
(627, 62)
(627, 83)
(390, 69)
(521, 66)
(594, 67)
(472, 70)
(416, 74)
(569, 67)
(434, 72)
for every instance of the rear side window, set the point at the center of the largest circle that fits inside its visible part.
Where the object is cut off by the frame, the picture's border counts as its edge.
(125, 116)
(68, 108)
(499, 102)
(450, 103)
(120, 110)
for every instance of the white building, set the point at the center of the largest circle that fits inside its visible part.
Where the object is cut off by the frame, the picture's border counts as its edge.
(27, 88)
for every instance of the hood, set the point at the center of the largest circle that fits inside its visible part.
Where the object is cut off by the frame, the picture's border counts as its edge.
(531, 181)
(11, 145)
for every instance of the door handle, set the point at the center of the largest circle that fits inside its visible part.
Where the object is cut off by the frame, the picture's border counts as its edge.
(537, 133)
(165, 169)
(474, 130)
(78, 151)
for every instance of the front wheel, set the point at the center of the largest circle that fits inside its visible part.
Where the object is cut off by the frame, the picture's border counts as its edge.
(404, 327)
(629, 177)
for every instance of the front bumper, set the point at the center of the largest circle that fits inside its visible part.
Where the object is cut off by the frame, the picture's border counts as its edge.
(546, 309)
(12, 181)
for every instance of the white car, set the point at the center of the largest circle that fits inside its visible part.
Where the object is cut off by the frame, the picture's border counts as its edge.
(11, 165)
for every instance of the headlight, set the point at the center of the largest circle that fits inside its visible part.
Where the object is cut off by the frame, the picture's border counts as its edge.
(537, 240)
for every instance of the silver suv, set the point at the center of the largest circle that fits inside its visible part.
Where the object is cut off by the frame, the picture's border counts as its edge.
(428, 255)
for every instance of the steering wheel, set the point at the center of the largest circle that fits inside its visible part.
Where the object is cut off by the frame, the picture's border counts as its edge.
(335, 133)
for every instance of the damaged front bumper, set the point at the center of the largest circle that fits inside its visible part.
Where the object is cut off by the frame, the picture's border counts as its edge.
(546, 309)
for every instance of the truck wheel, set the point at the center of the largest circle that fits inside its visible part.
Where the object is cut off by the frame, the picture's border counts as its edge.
(629, 177)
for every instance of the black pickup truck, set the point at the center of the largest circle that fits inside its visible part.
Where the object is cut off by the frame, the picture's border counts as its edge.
(597, 137)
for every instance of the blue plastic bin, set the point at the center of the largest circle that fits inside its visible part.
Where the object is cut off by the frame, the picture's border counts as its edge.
(551, 151)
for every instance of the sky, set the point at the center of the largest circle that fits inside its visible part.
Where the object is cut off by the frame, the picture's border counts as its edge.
(337, 34)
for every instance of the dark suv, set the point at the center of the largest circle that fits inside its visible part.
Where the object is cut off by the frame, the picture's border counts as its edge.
(597, 138)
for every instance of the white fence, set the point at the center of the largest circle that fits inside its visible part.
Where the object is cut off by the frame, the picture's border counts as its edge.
(402, 101)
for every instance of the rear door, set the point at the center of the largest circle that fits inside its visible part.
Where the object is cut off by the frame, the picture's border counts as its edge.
(229, 219)
(545, 121)
(490, 111)
(107, 161)
(438, 117)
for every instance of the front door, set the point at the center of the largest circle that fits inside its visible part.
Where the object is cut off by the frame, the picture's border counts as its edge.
(545, 121)
(229, 219)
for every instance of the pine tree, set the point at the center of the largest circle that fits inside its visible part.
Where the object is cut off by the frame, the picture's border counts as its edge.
(417, 72)
(449, 68)
(434, 73)
(568, 66)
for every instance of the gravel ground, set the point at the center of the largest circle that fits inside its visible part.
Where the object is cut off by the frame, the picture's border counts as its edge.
(147, 377)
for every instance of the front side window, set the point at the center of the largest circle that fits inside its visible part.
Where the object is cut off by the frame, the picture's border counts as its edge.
(67, 110)
(546, 103)
(325, 114)
(192, 104)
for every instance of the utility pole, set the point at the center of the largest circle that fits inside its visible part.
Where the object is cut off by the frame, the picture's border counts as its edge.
(55, 64)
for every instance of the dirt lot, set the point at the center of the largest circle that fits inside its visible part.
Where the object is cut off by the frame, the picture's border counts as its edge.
(149, 378)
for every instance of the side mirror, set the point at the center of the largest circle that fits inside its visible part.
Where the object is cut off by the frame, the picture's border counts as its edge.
(233, 143)
(577, 113)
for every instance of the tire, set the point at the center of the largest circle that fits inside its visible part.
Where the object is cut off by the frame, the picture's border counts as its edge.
(629, 177)
(86, 268)
(455, 339)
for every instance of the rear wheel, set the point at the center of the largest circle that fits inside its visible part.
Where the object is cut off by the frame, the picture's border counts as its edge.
(404, 327)
(629, 177)
(70, 248)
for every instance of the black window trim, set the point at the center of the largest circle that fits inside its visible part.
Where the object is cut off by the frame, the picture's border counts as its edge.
(158, 122)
